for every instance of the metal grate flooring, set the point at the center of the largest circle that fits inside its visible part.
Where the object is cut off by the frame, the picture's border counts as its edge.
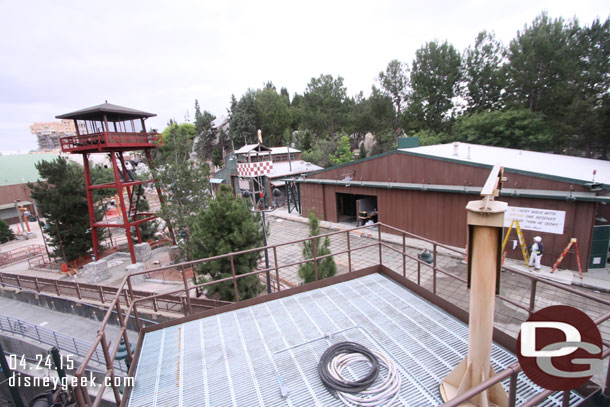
(232, 358)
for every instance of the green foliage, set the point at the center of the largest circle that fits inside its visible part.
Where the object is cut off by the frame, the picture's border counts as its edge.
(325, 106)
(147, 229)
(205, 131)
(394, 82)
(513, 128)
(243, 119)
(6, 234)
(185, 183)
(226, 226)
(435, 76)
(428, 137)
(483, 73)
(326, 267)
(217, 158)
(374, 114)
(343, 154)
(62, 200)
(273, 114)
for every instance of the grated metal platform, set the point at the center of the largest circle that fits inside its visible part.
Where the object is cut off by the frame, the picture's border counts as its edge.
(234, 358)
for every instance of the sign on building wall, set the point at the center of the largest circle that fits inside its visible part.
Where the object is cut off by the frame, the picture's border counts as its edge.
(539, 220)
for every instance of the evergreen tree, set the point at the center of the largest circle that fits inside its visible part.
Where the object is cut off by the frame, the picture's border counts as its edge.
(6, 233)
(326, 267)
(185, 182)
(343, 154)
(62, 201)
(394, 82)
(483, 73)
(435, 76)
(227, 226)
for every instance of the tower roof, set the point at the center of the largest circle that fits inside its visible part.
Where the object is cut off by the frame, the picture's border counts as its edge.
(113, 113)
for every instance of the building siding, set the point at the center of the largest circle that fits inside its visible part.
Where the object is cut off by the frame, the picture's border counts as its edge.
(442, 216)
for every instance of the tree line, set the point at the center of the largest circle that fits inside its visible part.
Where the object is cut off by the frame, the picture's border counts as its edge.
(547, 90)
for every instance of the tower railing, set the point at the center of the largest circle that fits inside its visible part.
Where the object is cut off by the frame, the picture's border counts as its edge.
(104, 140)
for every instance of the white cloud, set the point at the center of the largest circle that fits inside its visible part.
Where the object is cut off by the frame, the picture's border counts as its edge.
(159, 56)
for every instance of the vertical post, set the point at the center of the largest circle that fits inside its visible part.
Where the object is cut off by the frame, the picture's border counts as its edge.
(532, 304)
(119, 189)
(277, 270)
(512, 390)
(418, 272)
(8, 374)
(607, 389)
(434, 268)
(234, 279)
(485, 223)
(565, 400)
(379, 242)
(186, 290)
(123, 324)
(110, 368)
(102, 299)
(57, 288)
(135, 307)
(314, 244)
(404, 256)
(349, 253)
(266, 253)
(90, 205)
(78, 294)
(159, 194)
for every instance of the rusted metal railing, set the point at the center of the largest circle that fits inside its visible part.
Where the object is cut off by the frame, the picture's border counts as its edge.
(125, 301)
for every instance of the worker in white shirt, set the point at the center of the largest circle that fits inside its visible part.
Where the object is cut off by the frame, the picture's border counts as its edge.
(536, 253)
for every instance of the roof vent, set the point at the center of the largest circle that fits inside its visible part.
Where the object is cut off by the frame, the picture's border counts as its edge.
(456, 146)
(468, 156)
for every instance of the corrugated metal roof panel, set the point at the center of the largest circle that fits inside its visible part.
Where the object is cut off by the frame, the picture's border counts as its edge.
(232, 358)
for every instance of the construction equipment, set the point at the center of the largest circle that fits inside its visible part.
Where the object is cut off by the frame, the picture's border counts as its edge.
(574, 242)
(515, 223)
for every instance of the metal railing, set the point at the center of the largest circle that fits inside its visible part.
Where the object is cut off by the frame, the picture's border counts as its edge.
(169, 303)
(64, 343)
(20, 254)
(126, 303)
(108, 139)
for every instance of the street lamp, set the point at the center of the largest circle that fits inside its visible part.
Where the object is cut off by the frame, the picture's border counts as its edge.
(259, 207)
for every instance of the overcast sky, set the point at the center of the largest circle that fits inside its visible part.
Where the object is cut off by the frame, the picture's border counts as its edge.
(159, 56)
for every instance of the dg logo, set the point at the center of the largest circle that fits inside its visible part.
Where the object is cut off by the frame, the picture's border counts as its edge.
(560, 348)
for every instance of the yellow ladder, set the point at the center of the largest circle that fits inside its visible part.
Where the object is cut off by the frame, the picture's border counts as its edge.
(515, 224)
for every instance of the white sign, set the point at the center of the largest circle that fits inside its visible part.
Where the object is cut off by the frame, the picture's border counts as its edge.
(539, 220)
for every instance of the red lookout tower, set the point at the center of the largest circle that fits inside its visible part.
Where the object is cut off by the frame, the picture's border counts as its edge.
(112, 130)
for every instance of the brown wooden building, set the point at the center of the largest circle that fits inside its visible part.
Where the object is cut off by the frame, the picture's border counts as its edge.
(424, 190)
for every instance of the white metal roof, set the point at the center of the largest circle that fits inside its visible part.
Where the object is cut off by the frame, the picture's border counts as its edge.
(284, 168)
(542, 163)
(274, 150)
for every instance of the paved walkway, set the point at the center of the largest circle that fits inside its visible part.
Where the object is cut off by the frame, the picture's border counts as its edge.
(67, 324)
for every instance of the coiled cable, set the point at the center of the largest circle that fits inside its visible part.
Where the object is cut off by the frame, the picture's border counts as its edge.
(359, 392)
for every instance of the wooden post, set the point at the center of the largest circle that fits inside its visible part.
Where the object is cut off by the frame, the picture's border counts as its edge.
(485, 223)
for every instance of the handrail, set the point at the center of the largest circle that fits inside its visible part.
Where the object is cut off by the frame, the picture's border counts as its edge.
(132, 301)
(63, 342)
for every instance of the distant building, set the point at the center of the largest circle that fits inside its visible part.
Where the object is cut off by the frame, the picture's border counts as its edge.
(424, 190)
(16, 171)
(48, 133)
(285, 162)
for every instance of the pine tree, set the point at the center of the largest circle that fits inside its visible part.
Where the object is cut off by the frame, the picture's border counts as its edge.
(326, 267)
(6, 233)
(63, 202)
(227, 226)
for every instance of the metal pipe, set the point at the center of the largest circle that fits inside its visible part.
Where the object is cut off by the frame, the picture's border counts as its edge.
(266, 253)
